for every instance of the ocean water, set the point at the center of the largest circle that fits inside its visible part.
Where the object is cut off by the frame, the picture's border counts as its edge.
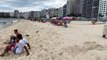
(7, 22)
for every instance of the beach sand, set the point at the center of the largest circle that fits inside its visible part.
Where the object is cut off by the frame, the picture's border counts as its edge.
(80, 41)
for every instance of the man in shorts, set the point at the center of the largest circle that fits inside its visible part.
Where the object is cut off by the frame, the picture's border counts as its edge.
(18, 46)
(13, 39)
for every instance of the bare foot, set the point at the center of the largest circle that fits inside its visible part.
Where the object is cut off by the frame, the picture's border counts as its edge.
(2, 55)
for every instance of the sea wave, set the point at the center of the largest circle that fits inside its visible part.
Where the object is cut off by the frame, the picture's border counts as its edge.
(5, 22)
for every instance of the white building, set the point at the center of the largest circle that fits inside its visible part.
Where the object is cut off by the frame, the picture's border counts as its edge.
(60, 12)
(70, 6)
(24, 15)
(37, 14)
(43, 13)
(16, 13)
(103, 9)
(11, 14)
(21, 14)
(53, 12)
(68, 10)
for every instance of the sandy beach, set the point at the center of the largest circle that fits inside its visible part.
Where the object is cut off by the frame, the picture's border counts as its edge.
(80, 41)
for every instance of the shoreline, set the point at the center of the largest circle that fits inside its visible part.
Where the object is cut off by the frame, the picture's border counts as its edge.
(7, 23)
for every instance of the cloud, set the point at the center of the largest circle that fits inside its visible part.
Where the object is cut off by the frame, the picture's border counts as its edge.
(5, 8)
(27, 5)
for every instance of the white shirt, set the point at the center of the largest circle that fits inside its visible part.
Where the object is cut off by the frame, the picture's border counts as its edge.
(20, 46)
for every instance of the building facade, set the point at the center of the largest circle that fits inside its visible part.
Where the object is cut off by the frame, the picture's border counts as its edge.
(16, 14)
(78, 4)
(37, 14)
(11, 14)
(103, 9)
(43, 13)
(87, 8)
(74, 7)
(7, 14)
(31, 14)
(68, 10)
(95, 9)
(4, 14)
(70, 7)
(64, 10)
(90, 8)
(53, 12)
(60, 12)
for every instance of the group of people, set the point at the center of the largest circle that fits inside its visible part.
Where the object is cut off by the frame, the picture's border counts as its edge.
(59, 22)
(16, 44)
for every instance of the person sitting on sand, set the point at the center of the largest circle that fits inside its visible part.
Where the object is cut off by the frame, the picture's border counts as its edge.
(18, 46)
(17, 33)
(13, 38)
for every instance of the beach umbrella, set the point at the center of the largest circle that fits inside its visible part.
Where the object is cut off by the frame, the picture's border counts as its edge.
(67, 18)
(54, 18)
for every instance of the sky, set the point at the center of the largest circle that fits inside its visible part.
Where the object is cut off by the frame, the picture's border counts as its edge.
(29, 5)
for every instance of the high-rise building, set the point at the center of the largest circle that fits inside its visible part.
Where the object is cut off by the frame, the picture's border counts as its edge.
(87, 8)
(60, 12)
(103, 9)
(64, 10)
(95, 9)
(68, 10)
(1, 14)
(21, 14)
(31, 14)
(70, 7)
(43, 13)
(78, 7)
(53, 12)
(11, 14)
(26, 15)
(16, 14)
(90, 8)
(4, 14)
(7, 14)
(74, 7)
(37, 14)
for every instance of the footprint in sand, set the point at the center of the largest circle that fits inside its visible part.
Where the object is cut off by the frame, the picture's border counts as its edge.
(92, 46)
(98, 58)
(73, 50)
